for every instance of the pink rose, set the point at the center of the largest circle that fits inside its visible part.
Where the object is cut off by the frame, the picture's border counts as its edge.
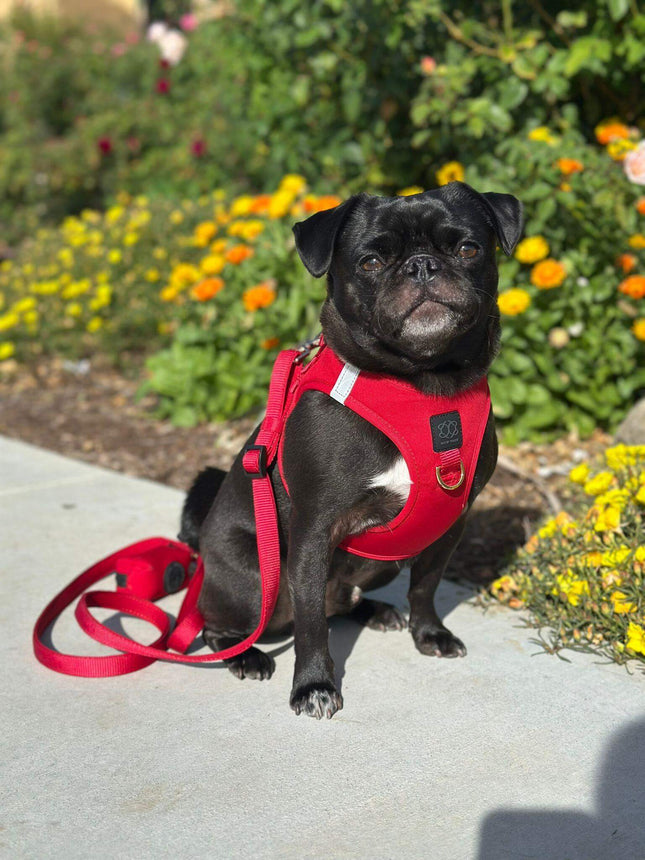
(634, 164)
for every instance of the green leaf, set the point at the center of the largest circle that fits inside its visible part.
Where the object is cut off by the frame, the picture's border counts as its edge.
(618, 9)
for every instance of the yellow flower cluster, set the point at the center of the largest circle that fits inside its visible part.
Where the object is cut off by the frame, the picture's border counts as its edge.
(143, 259)
(591, 568)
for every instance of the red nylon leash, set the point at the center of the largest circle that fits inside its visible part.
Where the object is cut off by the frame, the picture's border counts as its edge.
(150, 569)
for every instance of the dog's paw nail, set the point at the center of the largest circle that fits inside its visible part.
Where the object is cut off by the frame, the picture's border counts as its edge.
(441, 643)
(317, 701)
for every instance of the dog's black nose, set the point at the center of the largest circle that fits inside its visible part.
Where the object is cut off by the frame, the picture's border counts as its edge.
(421, 267)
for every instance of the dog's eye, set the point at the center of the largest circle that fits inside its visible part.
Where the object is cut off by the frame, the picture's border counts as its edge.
(468, 249)
(371, 264)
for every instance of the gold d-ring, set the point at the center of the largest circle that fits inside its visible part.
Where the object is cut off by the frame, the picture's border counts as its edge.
(442, 483)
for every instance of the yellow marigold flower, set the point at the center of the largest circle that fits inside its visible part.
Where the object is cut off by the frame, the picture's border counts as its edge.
(639, 555)
(633, 286)
(113, 214)
(579, 474)
(618, 149)
(293, 183)
(6, 266)
(548, 274)
(247, 230)
(130, 239)
(513, 302)
(94, 324)
(206, 289)
(408, 192)
(184, 274)
(241, 206)
(213, 264)
(599, 483)
(453, 171)
(260, 296)
(542, 134)
(238, 253)
(280, 204)
(640, 495)
(160, 253)
(152, 275)
(218, 246)
(204, 233)
(115, 256)
(24, 305)
(638, 329)
(636, 241)
(31, 318)
(270, 343)
(567, 166)
(176, 217)
(169, 294)
(65, 256)
(74, 309)
(7, 349)
(9, 320)
(635, 638)
(532, 250)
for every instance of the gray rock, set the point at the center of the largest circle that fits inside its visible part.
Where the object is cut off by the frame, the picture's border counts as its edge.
(632, 429)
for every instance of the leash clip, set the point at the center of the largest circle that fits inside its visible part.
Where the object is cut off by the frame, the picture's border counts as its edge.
(305, 348)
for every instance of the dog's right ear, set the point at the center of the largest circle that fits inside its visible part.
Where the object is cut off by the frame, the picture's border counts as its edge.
(315, 237)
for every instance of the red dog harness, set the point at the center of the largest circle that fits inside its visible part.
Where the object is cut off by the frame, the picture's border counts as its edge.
(439, 439)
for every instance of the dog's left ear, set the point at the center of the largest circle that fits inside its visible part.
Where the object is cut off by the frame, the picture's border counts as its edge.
(507, 218)
(315, 237)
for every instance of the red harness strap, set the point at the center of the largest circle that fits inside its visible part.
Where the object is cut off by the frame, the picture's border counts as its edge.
(150, 569)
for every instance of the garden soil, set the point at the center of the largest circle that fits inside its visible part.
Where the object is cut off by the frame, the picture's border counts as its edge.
(91, 413)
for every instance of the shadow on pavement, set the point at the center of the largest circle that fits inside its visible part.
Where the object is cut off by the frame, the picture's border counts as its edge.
(615, 832)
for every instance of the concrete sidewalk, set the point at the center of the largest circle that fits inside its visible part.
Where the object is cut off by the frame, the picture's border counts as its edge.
(498, 756)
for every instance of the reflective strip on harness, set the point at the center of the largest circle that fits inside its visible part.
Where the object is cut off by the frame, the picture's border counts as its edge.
(345, 382)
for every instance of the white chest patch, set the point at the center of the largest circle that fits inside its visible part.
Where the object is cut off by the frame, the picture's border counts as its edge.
(396, 479)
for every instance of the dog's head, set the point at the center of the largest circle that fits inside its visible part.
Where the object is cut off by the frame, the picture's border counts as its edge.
(412, 281)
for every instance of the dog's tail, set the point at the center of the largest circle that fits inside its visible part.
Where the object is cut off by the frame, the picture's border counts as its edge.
(198, 503)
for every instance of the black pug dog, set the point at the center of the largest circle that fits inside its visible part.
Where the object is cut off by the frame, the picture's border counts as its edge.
(412, 285)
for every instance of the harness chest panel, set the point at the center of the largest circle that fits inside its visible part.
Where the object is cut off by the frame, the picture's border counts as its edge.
(438, 437)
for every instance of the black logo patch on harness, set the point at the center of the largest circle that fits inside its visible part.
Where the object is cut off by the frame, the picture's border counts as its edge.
(446, 431)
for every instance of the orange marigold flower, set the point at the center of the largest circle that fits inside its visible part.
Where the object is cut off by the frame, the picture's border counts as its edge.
(640, 205)
(238, 253)
(270, 342)
(607, 132)
(626, 262)
(633, 286)
(206, 289)
(547, 274)
(260, 296)
(569, 166)
(320, 204)
(260, 204)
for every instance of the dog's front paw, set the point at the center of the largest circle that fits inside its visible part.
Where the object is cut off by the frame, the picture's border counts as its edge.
(316, 700)
(438, 643)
